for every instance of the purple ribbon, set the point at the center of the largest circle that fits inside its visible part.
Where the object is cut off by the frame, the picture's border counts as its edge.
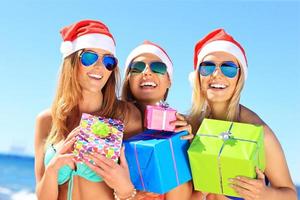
(172, 153)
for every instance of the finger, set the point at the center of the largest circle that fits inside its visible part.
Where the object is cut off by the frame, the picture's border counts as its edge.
(98, 170)
(123, 161)
(66, 159)
(179, 123)
(73, 133)
(246, 194)
(260, 174)
(242, 184)
(247, 180)
(182, 128)
(180, 117)
(105, 163)
(67, 145)
(187, 137)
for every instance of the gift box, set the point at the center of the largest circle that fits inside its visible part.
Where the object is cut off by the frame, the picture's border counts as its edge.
(158, 117)
(222, 150)
(157, 160)
(100, 135)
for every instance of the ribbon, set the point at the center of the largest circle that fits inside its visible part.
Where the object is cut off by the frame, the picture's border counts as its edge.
(172, 153)
(163, 104)
(226, 136)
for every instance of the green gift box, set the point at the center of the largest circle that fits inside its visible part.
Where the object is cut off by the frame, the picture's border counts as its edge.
(222, 150)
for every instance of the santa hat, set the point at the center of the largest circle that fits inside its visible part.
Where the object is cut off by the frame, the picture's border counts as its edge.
(219, 40)
(149, 47)
(86, 34)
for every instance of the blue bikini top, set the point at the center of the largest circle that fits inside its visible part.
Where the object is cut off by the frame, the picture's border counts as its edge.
(65, 173)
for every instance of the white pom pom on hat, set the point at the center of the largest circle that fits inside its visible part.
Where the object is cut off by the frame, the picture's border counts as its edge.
(150, 47)
(219, 40)
(86, 34)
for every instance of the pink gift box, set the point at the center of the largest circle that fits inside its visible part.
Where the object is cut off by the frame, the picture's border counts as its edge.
(159, 118)
(99, 135)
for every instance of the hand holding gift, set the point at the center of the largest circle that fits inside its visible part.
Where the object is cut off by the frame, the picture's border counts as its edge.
(98, 135)
(158, 117)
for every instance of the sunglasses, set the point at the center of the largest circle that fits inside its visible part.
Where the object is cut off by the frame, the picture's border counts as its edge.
(228, 68)
(156, 67)
(89, 58)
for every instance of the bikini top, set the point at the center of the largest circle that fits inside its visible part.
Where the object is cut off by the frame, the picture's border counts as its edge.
(65, 173)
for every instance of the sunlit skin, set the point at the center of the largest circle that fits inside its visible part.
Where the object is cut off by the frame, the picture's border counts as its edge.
(218, 95)
(276, 167)
(91, 79)
(85, 74)
(148, 95)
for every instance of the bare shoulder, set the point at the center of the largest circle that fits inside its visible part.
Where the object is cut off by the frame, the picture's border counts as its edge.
(133, 122)
(43, 123)
(248, 116)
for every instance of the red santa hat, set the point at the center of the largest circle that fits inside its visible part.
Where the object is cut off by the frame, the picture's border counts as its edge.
(219, 40)
(150, 47)
(86, 34)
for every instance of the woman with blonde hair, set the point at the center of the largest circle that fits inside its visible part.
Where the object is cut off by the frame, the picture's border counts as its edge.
(148, 77)
(220, 71)
(87, 84)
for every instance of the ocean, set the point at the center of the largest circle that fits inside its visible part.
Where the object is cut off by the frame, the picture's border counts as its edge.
(17, 181)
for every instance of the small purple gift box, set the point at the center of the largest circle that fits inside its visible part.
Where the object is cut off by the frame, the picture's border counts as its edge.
(159, 118)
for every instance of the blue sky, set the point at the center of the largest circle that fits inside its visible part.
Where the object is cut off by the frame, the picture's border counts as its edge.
(268, 30)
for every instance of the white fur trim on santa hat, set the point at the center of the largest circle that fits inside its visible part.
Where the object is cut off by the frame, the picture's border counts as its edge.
(94, 40)
(149, 48)
(225, 46)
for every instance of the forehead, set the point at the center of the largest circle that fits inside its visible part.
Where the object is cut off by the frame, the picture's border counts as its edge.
(147, 57)
(220, 57)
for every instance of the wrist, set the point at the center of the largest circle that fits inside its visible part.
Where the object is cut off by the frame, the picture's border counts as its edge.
(127, 194)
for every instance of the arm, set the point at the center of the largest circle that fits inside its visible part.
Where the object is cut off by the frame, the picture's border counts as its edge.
(46, 177)
(49, 178)
(183, 191)
(133, 121)
(276, 170)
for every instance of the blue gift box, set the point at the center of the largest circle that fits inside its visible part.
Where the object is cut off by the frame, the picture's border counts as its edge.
(157, 160)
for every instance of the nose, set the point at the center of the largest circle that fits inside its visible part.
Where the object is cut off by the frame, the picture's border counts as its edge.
(147, 71)
(99, 63)
(217, 72)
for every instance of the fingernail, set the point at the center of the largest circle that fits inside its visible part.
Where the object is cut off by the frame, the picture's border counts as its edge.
(230, 179)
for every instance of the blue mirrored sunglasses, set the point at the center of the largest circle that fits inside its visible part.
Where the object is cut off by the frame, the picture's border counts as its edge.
(156, 67)
(89, 58)
(228, 68)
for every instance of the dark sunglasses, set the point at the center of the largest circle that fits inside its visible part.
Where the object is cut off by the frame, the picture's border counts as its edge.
(228, 68)
(89, 58)
(156, 67)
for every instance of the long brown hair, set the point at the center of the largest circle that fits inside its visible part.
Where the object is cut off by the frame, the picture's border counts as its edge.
(200, 107)
(69, 94)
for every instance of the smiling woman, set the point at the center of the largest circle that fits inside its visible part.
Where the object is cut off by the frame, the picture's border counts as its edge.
(220, 70)
(87, 84)
(148, 78)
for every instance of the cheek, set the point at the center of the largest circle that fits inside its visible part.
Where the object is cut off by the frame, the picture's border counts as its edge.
(133, 82)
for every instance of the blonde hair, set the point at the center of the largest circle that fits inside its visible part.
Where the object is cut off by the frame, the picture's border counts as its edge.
(200, 107)
(69, 93)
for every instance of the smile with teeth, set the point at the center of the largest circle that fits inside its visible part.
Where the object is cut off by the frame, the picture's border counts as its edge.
(148, 84)
(217, 86)
(95, 76)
